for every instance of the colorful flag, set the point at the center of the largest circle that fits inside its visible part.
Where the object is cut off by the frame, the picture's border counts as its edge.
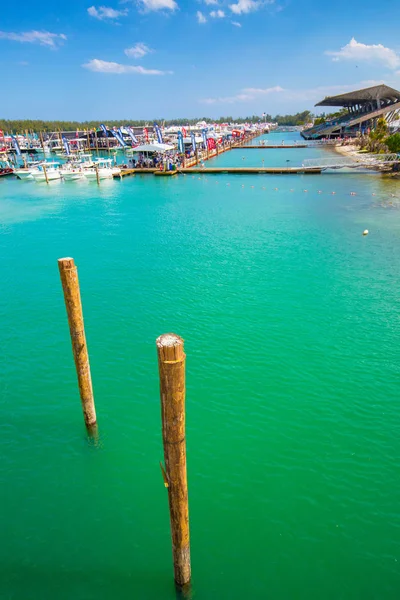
(66, 146)
(146, 133)
(104, 129)
(158, 133)
(193, 138)
(16, 145)
(181, 148)
(211, 144)
(132, 135)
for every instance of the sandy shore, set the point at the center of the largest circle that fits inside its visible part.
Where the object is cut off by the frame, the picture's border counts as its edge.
(348, 150)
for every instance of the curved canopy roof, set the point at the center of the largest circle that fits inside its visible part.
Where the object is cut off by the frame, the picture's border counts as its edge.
(153, 147)
(381, 92)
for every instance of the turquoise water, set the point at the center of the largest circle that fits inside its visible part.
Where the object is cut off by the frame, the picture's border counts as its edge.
(270, 157)
(291, 323)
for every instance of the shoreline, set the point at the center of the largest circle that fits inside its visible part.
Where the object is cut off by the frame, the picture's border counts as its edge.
(347, 150)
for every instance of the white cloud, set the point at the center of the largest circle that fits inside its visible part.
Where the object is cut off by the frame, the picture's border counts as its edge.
(210, 2)
(236, 24)
(44, 38)
(102, 66)
(374, 53)
(217, 14)
(104, 12)
(200, 17)
(246, 95)
(263, 91)
(158, 4)
(316, 94)
(139, 50)
(245, 6)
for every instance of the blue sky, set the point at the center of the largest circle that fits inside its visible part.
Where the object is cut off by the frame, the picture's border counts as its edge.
(173, 58)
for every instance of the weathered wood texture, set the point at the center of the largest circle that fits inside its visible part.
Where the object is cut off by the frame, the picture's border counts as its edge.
(171, 363)
(72, 297)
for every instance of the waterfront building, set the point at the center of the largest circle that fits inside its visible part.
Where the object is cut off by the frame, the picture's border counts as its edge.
(363, 108)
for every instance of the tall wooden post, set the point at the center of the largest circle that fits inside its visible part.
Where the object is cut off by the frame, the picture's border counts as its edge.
(97, 174)
(72, 297)
(171, 364)
(45, 173)
(97, 141)
(42, 143)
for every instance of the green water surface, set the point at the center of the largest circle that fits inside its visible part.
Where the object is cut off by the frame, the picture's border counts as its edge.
(291, 325)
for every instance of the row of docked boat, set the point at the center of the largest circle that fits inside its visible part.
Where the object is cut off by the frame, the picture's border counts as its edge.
(76, 167)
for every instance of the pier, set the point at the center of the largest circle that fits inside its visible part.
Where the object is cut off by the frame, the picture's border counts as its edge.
(273, 146)
(231, 170)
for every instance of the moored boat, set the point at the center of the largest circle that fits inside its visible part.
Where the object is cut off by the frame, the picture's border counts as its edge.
(5, 166)
(76, 167)
(49, 171)
(25, 172)
(102, 168)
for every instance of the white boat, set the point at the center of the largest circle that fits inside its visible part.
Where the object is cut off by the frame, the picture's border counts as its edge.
(102, 168)
(49, 169)
(76, 166)
(26, 172)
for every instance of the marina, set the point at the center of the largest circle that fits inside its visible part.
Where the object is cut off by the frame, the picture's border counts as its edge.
(199, 377)
(302, 263)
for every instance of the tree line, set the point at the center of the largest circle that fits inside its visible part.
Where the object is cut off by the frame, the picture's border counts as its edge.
(23, 125)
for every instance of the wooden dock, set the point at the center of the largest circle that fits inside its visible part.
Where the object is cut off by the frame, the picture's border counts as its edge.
(271, 147)
(225, 170)
(253, 170)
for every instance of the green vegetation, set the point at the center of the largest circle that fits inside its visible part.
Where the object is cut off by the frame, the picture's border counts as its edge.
(379, 141)
(393, 143)
(293, 120)
(23, 125)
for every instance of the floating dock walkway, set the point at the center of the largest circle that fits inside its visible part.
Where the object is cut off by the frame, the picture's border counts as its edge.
(272, 147)
(221, 170)
(252, 170)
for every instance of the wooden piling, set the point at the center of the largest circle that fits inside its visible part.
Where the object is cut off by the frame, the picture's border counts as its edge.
(45, 174)
(171, 364)
(72, 297)
(42, 143)
(97, 174)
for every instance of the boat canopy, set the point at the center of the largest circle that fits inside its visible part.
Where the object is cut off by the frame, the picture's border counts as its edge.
(188, 140)
(153, 147)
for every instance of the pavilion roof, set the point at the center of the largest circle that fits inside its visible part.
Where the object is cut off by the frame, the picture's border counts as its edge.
(383, 92)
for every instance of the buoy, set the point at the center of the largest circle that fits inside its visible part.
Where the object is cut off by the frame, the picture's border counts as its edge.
(353, 194)
(333, 192)
(276, 189)
(305, 190)
(319, 191)
(374, 194)
(365, 232)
